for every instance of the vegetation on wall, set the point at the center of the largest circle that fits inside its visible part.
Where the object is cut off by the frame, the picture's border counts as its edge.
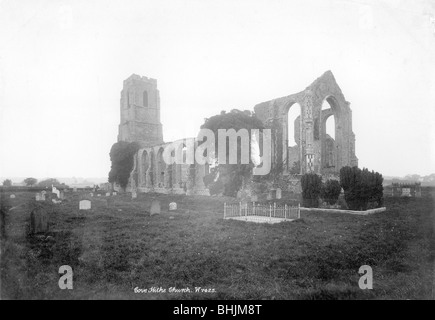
(229, 178)
(122, 158)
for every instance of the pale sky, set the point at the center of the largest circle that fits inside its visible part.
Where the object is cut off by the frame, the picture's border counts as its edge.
(62, 64)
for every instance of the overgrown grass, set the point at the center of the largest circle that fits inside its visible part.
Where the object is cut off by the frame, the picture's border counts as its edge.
(117, 246)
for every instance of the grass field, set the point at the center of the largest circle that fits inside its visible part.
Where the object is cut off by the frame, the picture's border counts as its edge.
(117, 246)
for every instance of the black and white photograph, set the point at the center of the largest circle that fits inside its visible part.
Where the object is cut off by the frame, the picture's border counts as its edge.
(215, 155)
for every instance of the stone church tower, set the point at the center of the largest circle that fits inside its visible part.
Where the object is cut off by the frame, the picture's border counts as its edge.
(140, 112)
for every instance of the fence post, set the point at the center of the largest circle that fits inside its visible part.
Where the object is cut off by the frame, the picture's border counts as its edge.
(270, 212)
(253, 208)
(246, 212)
(285, 212)
(225, 209)
(274, 209)
(240, 209)
(299, 210)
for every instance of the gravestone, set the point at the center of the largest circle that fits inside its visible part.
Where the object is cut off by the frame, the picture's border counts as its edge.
(55, 191)
(12, 196)
(109, 202)
(62, 195)
(84, 205)
(269, 196)
(114, 193)
(173, 206)
(133, 194)
(278, 193)
(38, 221)
(155, 207)
(107, 194)
(37, 197)
(99, 195)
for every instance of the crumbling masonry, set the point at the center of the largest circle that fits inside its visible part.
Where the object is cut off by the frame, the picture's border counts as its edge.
(315, 150)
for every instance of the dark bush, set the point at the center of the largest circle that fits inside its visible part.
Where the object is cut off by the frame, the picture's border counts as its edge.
(361, 187)
(311, 188)
(331, 191)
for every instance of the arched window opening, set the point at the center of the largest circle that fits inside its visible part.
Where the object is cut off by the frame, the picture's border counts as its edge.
(293, 125)
(330, 122)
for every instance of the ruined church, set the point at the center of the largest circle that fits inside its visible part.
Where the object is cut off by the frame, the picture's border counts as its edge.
(314, 150)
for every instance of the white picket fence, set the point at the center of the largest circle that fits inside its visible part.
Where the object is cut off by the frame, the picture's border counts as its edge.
(261, 212)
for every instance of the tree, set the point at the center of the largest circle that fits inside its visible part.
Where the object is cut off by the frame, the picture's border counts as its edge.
(122, 158)
(7, 183)
(230, 177)
(30, 182)
(331, 191)
(51, 182)
(311, 185)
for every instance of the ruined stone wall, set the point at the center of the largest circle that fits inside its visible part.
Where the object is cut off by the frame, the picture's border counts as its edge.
(316, 151)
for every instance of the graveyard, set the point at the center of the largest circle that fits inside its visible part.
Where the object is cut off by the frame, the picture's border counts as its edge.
(117, 249)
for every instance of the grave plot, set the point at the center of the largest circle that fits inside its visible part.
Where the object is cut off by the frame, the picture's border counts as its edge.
(261, 213)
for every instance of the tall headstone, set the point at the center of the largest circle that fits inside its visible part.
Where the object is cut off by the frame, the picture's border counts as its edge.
(107, 194)
(155, 207)
(38, 221)
(278, 193)
(84, 205)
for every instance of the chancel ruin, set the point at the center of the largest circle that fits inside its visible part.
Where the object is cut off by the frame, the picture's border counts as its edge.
(313, 150)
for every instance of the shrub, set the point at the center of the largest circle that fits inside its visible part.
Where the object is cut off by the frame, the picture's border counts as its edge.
(331, 191)
(361, 187)
(311, 188)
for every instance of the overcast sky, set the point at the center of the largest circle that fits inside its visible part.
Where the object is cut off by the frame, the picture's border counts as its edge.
(62, 64)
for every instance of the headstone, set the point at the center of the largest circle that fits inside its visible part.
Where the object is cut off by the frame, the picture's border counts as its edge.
(38, 221)
(109, 202)
(99, 195)
(278, 193)
(56, 201)
(107, 194)
(55, 191)
(133, 194)
(37, 197)
(173, 206)
(62, 195)
(12, 196)
(114, 193)
(155, 207)
(84, 205)
(43, 197)
(269, 196)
